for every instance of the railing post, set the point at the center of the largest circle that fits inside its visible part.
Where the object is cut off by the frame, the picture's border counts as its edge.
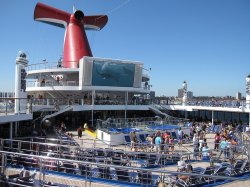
(6, 107)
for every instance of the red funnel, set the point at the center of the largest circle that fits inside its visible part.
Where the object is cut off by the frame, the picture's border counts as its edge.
(76, 43)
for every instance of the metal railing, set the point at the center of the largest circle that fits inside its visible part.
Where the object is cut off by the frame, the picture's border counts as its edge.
(33, 83)
(7, 106)
(86, 171)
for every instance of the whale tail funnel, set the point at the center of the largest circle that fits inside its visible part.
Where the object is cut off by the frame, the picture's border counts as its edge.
(76, 43)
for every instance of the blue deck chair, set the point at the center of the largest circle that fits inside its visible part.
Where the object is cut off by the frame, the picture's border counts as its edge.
(122, 175)
(211, 129)
(173, 134)
(142, 138)
(216, 128)
(104, 172)
(127, 139)
(152, 160)
(145, 178)
(235, 169)
(245, 166)
(204, 171)
(221, 169)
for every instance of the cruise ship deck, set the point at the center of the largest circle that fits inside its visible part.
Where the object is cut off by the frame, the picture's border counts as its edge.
(66, 160)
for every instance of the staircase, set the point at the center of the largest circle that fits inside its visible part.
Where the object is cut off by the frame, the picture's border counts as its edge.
(155, 109)
(65, 109)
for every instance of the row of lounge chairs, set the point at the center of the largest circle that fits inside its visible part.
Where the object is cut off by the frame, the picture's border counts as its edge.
(214, 129)
(120, 174)
(240, 167)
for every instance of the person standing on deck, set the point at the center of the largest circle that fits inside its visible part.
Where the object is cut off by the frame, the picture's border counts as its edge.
(79, 132)
(223, 147)
(205, 152)
(217, 139)
(133, 138)
(180, 136)
(158, 141)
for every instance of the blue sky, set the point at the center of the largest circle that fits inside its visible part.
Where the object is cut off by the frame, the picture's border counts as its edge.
(205, 42)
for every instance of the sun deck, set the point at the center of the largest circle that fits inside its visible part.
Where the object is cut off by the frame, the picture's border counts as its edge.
(68, 160)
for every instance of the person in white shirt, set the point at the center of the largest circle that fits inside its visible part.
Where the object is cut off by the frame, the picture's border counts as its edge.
(205, 152)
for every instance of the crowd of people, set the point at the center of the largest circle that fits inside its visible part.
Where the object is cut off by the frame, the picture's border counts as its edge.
(225, 141)
(160, 142)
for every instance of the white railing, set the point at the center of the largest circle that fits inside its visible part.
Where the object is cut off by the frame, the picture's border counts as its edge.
(7, 105)
(40, 66)
(35, 83)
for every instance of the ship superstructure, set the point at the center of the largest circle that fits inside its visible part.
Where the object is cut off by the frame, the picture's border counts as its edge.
(81, 82)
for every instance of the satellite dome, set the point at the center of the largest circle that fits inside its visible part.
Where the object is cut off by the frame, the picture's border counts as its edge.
(21, 54)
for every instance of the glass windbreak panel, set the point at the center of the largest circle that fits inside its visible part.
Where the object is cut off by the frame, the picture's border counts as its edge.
(113, 74)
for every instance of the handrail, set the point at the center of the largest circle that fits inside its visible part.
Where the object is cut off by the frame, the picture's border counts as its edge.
(7, 105)
(44, 158)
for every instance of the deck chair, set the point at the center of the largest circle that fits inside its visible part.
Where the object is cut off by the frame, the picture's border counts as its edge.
(127, 140)
(85, 170)
(108, 152)
(173, 134)
(152, 160)
(145, 177)
(207, 171)
(99, 152)
(116, 160)
(105, 172)
(69, 167)
(246, 166)
(211, 128)
(24, 178)
(235, 169)
(142, 138)
(47, 184)
(122, 175)
(95, 173)
(220, 170)
(217, 128)
(181, 183)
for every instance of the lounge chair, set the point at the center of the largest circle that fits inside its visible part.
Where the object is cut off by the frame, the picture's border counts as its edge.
(145, 178)
(105, 172)
(127, 140)
(234, 169)
(84, 170)
(220, 170)
(245, 167)
(123, 175)
(48, 184)
(24, 178)
(70, 168)
(203, 171)
(152, 160)
(142, 138)
(211, 128)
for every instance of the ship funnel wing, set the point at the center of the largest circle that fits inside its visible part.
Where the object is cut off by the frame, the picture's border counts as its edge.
(51, 15)
(96, 22)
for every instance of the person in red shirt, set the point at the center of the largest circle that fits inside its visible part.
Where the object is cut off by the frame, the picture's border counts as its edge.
(217, 139)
